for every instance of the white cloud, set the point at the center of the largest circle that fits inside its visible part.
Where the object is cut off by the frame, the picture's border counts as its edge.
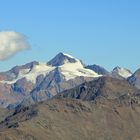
(11, 43)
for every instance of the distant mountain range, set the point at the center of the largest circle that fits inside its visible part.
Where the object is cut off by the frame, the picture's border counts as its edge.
(36, 81)
(64, 99)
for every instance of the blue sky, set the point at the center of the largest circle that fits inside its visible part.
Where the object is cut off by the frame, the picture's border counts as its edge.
(105, 32)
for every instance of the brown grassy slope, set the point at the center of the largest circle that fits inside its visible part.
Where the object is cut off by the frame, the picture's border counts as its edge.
(76, 120)
(107, 117)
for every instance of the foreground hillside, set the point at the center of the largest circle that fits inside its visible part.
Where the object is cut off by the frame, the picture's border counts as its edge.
(74, 119)
(104, 117)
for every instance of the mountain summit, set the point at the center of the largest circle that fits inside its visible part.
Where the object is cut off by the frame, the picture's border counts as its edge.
(61, 59)
(120, 73)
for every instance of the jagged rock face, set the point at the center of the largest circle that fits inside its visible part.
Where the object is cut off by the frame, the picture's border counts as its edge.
(98, 69)
(7, 96)
(23, 87)
(47, 90)
(121, 73)
(105, 87)
(135, 79)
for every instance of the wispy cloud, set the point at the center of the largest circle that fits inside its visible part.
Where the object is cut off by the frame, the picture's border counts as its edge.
(11, 42)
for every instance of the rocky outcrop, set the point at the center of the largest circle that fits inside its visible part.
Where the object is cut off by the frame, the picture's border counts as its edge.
(135, 79)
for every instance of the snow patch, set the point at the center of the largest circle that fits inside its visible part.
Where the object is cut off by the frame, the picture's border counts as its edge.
(73, 70)
(68, 55)
(37, 70)
(123, 72)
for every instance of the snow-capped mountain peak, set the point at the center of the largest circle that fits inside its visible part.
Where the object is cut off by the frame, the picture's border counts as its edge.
(69, 66)
(30, 73)
(65, 54)
(122, 72)
(61, 59)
